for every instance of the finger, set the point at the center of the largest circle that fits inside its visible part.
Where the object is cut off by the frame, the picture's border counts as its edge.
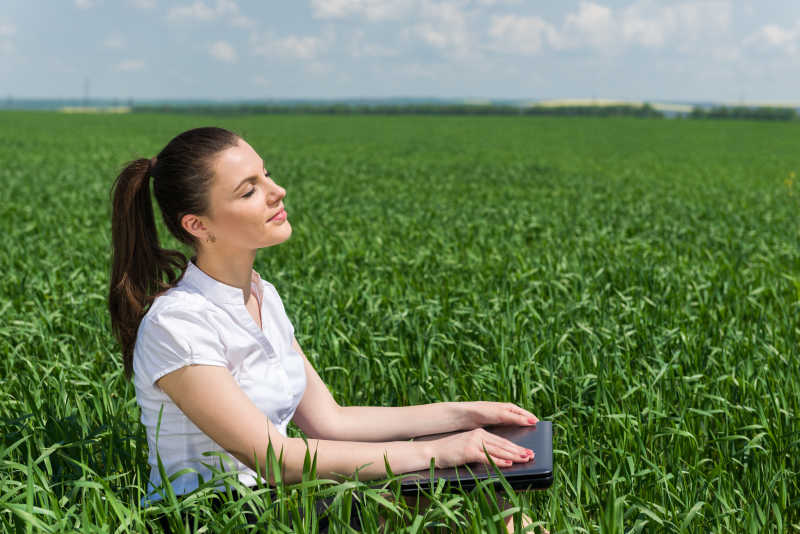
(510, 446)
(500, 462)
(522, 419)
(524, 414)
(508, 451)
(496, 456)
(501, 457)
(512, 450)
(517, 417)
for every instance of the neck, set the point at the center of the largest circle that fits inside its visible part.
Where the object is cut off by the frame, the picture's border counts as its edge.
(233, 269)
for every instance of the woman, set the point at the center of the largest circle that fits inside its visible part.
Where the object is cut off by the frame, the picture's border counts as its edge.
(209, 343)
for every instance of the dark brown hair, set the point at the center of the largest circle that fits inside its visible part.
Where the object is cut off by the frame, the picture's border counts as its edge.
(140, 268)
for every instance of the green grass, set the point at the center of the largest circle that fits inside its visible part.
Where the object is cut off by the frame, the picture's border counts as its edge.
(637, 282)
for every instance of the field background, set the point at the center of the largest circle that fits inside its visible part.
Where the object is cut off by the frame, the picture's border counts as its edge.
(635, 281)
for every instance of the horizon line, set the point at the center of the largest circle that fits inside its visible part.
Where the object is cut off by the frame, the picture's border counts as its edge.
(547, 101)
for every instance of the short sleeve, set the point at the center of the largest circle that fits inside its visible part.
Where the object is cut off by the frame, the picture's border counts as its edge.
(276, 304)
(175, 338)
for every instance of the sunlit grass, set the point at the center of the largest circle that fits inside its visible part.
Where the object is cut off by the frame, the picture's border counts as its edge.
(636, 282)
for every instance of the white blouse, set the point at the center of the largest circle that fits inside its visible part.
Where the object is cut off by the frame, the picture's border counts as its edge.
(201, 321)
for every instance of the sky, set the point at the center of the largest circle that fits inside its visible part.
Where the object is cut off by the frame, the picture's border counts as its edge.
(682, 51)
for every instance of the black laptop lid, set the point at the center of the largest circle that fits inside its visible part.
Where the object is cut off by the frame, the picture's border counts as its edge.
(536, 474)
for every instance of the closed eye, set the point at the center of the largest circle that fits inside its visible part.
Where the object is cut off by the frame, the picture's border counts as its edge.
(249, 193)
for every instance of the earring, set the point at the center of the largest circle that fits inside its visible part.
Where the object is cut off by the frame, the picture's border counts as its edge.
(211, 238)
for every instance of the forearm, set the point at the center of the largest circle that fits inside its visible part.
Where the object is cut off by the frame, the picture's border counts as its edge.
(378, 423)
(321, 417)
(335, 459)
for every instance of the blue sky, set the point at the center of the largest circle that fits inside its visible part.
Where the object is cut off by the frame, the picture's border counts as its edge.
(689, 50)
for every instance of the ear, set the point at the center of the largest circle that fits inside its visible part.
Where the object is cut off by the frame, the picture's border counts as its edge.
(195, 226)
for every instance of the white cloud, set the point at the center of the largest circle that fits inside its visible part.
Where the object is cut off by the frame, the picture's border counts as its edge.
(300, 47)
(520, 35)
(686, 27)
(593, 25)
(114, 41)
(446, 27)
(7, 29)
(7, 32)
(453, 27)
(226, 10)
(130, 65)
(223, 51)
(369, 9)
(652, 24)
(640, 28)
(84, 4)
(143, 4)
(772, 37)
(241, 21)
(777, 36)
(304, 47)
(449, 27)
(492, 3)
(196, 11)
(379, 10)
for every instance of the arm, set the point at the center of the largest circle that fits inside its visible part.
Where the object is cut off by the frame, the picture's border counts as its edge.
(237, 425)
(320, 416)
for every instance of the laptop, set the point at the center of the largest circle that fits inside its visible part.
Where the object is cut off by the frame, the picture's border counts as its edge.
(536, 474)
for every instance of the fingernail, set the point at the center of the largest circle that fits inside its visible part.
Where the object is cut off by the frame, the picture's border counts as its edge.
(531, 420)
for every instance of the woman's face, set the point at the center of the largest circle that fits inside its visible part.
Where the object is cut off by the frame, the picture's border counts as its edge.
(245, 205)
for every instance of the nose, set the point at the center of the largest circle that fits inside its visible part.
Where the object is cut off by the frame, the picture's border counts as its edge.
(276, 193)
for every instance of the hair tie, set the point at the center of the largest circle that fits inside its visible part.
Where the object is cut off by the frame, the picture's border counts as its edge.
(153, 161)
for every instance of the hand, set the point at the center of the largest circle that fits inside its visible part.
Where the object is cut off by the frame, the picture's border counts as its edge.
(467, 447)
(484, 413)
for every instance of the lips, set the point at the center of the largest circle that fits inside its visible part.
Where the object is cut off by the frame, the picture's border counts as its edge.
(280, 215)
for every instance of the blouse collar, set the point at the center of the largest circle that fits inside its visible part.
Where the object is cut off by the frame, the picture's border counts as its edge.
(216, 291)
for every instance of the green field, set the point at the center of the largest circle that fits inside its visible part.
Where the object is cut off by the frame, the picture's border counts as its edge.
(637, 282)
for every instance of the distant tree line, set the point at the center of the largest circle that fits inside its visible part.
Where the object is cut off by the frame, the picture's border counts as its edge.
(645, 110)
(617, 110)
(745, 112)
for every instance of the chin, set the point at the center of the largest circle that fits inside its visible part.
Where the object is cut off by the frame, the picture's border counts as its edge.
(288, 230)
(278, 239)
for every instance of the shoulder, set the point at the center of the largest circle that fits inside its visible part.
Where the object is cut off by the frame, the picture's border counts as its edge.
(182, 315)
(180, 328)
(179, 302)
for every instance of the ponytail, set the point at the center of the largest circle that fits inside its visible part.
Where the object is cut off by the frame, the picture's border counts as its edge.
(140, 268)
